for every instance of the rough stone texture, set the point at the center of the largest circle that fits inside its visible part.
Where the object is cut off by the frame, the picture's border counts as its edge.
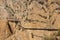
(4, 30)
(17, 16)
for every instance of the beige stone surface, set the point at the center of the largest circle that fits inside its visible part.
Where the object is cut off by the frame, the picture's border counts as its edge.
(4, 30)
(17, 16)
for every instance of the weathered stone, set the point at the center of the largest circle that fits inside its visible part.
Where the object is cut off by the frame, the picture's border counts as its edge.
(17, 16)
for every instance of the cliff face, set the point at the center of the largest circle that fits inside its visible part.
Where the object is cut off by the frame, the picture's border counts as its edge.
(29, 19)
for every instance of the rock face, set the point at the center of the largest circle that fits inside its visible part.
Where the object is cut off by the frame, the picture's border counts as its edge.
(29, 19)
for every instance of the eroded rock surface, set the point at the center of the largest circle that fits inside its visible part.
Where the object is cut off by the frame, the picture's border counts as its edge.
(29, 19)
